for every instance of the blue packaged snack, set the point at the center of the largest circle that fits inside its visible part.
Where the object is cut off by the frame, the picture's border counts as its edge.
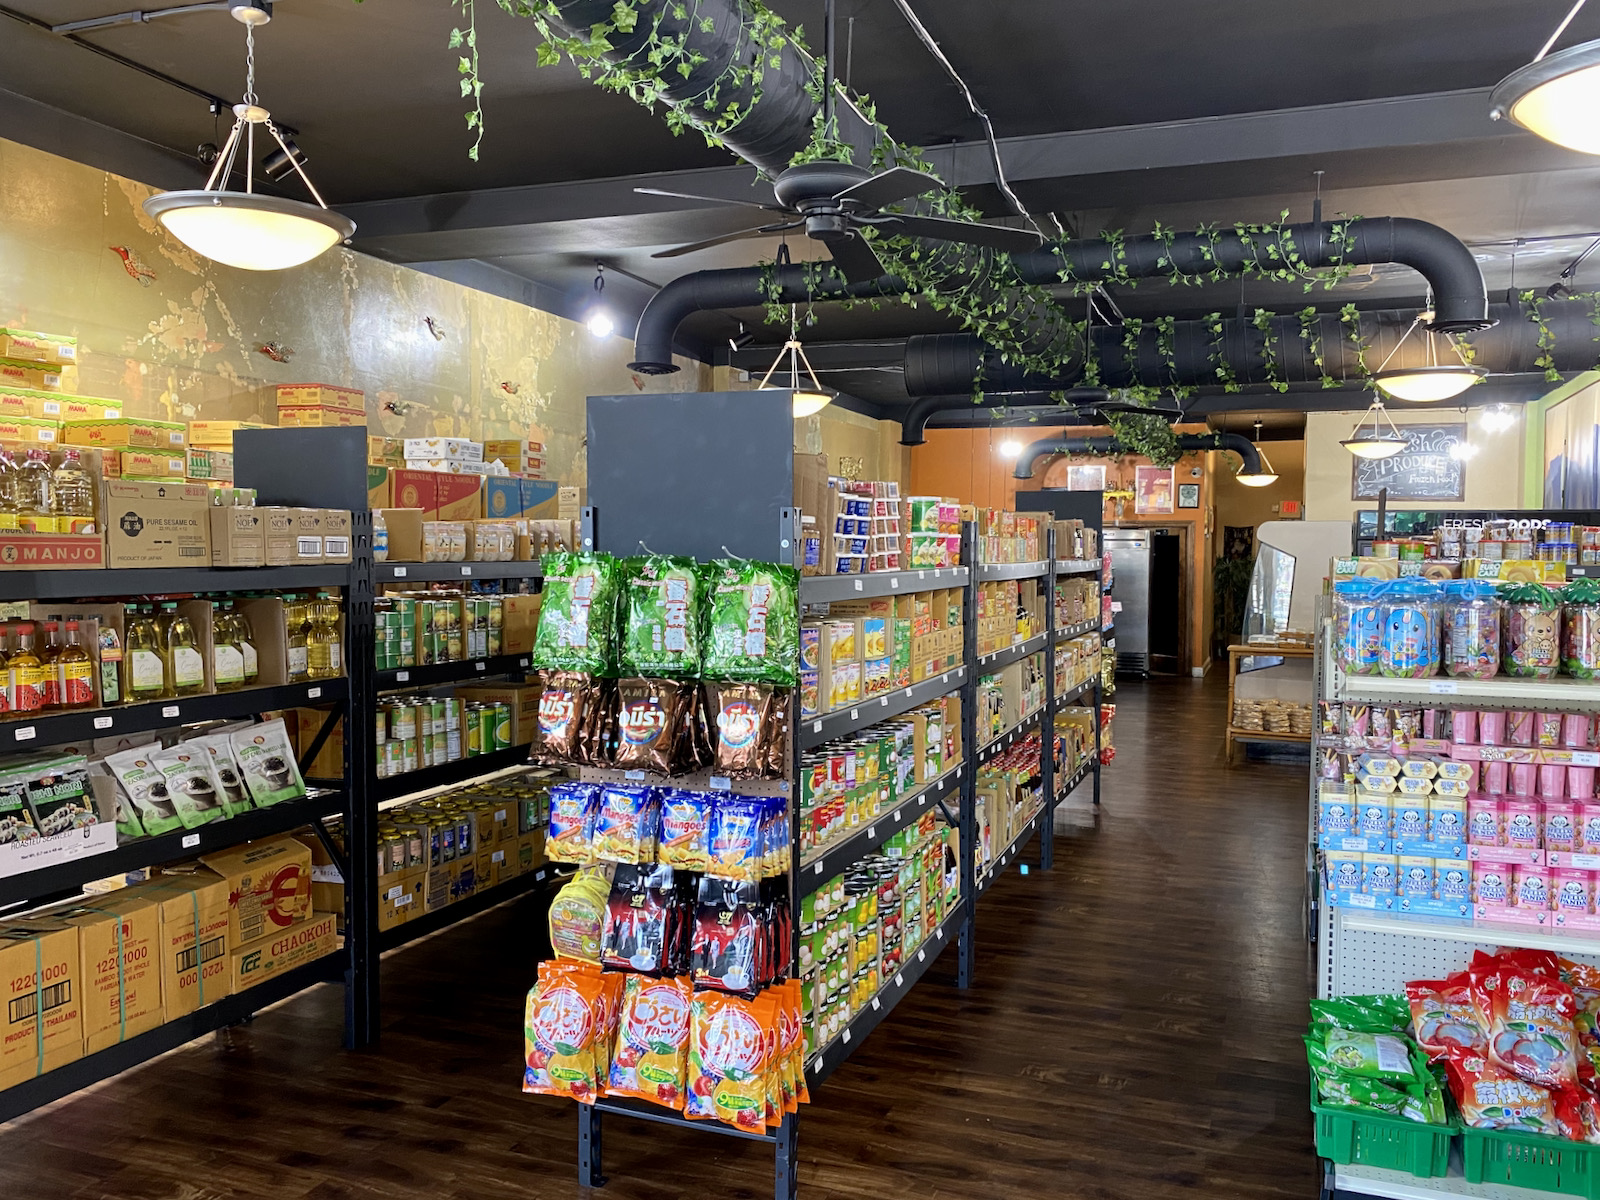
(570, 834)
(685, 824)
(734, 838)
(625, 823)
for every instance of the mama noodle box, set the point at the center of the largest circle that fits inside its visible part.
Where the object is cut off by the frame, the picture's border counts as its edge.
(269, 887)
(119, 955)
(282, 950)
(193, 942)
(42, 981)
(26, 346)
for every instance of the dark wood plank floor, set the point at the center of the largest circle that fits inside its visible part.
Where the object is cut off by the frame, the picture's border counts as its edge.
(1133, 1033)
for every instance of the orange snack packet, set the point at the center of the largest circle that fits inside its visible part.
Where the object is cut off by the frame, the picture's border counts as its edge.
(561, 1028)
(652, 1043)
(727, 1053)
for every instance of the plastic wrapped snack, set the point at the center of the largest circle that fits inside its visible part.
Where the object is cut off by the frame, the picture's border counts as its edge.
(1355, 626)
(626, 823)
(1471, 628)
(578, 617)
(1529, 1023)
(661, 629)
(577, 915)
(685, 821)
(752, 622)
(1490, 1097)
(574, 808)
(568, 1026)
(1408, 613)
(1532, 637)
(1443, 1015)
(642, 918)
(652, 1055)
(1580, 628)
(652, 723)
(746, 730)
(727, 1062)
(734, 840)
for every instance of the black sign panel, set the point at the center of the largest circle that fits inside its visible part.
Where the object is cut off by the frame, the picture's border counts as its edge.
(1424, 470)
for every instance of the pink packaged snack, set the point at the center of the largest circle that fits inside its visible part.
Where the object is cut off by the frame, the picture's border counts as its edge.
(1520, 728)
(1560, 827)
(1519, 824)
(1586, 816)
(1572, 891)
(1524, 779)
(1531, 886)
(1580, 782)
(1552, 779)
(1491, 883)
(1492, 728)
(1483, 820)
(1547, 729)
(1464, 727)
(1575, 731)
(1495, 777)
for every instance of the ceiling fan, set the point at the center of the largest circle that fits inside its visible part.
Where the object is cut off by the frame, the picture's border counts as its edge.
(834, 201)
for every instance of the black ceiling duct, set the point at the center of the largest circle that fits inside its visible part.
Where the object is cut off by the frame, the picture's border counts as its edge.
(1106, 446)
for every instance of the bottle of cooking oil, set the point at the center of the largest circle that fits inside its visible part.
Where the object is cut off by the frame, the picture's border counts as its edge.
(227, 660)
(75, 669)
(294, 613)
(49, 667)
(145, 676)
(244, 637)
(35, 513)
(72, 490)
(322, 644)
(27, 672)
(8, 492)
(180, 655)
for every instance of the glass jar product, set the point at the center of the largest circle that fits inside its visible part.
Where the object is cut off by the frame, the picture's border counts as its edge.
(1355, 625)
(1408, 636)
(145, 678)
(73, 491)
(1471, 628)
(180, 653)
(35, 513)
(1580, 629)
(1531, 638)
(26, 672)
(75, 670)
(1413, 551)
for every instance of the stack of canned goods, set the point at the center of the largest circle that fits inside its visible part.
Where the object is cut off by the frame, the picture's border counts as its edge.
(440, 829)
(417, 629)
(420, 731)
(846, 784)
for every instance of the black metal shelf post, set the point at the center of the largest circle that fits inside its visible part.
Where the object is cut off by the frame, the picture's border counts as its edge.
(967, 832)
(360, 771)
(1047, 723)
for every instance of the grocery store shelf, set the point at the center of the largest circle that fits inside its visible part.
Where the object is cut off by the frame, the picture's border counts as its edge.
(231, 1010)
(1503, 691)
(999, 658)
(165, 581)
(1076, 566)
(1006, 739)
(1068, 632)
(825, 589)
(453, 572)
(436, 674)
(1076, 690)
(998, 865)
(817, 730)
(1356, 1180)
(828, 1059)
(445, 774)
(69, 876)
(989, 572)
(1063, 790)
(661, 1115)
(834, 859)
(80, 725)
(480, 901)
(1464, 929)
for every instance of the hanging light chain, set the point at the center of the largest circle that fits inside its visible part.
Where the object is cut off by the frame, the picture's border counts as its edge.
(249, 64)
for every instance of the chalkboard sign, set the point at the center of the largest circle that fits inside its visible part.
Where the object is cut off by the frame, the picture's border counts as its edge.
(1424, 470)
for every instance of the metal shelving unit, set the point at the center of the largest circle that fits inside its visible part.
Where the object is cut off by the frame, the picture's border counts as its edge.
(996, 659)
(439, 674)
(997, 864)
(825, 589)
(989, 572)
(391, 572)
(165, 581)
(831, 726)
(446, 774)
(835, 858)
(480, 901)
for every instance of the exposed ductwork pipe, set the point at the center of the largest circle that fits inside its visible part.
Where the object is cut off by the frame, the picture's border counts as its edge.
(1460, 302)
(947, 365)
(915, 421)
(1107, 445)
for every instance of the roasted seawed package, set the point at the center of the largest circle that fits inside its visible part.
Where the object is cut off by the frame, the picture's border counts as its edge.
(578, 617)
(753, 622)
(661, 621)
(146, 788)
(225, 772)
(266, 762)
(187, 771)
(58, 794)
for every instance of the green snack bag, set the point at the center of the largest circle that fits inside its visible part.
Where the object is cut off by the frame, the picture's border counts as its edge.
(1368, 1055)
(578, 618)
(1337, 1090)
(661, 626)
(1365, 1014)
(752, 622)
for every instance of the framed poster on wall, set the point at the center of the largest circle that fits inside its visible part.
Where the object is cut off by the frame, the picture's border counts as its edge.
(1152, 491)
(1086, 478)
(1425, 470)
(1188, 495)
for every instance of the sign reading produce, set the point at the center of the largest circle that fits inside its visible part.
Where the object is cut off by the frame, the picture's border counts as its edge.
(1425, 470)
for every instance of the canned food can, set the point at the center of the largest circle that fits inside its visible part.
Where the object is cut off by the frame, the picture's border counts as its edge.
(452, 745)
(426, 743)
(474, 723)
(500, 714)
(410, 754)
(452, 713)
(466, 828)
(436, 718)
(446, 829)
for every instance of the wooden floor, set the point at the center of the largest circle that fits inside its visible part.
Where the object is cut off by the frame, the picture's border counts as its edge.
(1133, 1033)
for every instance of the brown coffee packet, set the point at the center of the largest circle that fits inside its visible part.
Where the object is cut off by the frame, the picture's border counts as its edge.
(598, 733)
(650, 723)
(777, 742)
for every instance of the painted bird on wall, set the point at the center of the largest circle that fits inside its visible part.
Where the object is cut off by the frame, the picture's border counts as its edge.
(276, 351)
(134, 265)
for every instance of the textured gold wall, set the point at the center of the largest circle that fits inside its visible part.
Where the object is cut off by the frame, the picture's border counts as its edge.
(178, 337)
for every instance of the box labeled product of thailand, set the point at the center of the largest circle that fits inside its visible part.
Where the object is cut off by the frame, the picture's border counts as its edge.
(118, 939)
(193, 941)
(30, 431)
(130, 432)
(218, 435)
(319, 416)
(157, 524)
(269, 887)
(39, 377)
(41, 985)
(283, 950)
(56, 406)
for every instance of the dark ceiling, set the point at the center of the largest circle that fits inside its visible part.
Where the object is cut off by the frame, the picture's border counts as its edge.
(1110, 115)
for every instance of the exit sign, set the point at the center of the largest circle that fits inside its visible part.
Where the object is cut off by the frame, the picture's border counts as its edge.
(1290, 508)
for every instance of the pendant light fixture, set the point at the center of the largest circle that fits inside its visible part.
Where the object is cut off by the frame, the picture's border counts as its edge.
(598, 318)
(245, 229)
(1436, 381)
(1265, 475)
(1375, 441)
(806, 401)
(1555, 97)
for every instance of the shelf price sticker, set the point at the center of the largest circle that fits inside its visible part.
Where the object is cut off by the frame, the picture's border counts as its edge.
(1443, 687)
(817, 870)
(402, 676)
(1585, 758)
(894, 583)
(103, 722)
(858, 585)
(466, 571)
(480, 665)
(922, 956)
(170, 710)
(721, 783)
(26, 734)
(845, 1037)
(633, 775)
(399, 572)
(876, 1005)
(313, 693)
(899, 980)
(872, 831)
(191, 840)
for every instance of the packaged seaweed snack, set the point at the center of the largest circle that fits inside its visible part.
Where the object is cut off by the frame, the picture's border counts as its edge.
(661, 622)
(1529, 1022)
(726, 950)
(266, 763)
(734, 838)
(1531, 641)
(640, 919)
(574, 808)
(577, 915)
(578, 617)
(652, 1054)
(1443, 1015)
(626, 823)
(194, 791)
(742, 716)
(146, 788)
(727, 1062)
(1580, 628)
(752, 622)
(650, 723)
(685, 823)
(225, 772)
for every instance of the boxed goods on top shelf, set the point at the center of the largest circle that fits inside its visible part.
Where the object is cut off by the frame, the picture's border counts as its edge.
(24, 345)
(317, 404)
(1077, 661)
(867, 648)
(854, 527)
(1008, 537)
(38, 376)
(1075, 540)
(1009, 611)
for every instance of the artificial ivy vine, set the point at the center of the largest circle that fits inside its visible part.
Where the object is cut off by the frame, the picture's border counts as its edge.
(1311, 335)
(1217, 351)
(467, 68)
(1350, 318)
(1262, 320)
(1546, 359)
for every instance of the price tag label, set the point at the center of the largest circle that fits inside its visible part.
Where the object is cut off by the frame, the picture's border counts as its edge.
(816, 727)
(399, 572)
(1585, 758)
(1443, 687)
(855, 714)
(466, 571)
(875, 1004)
(538, 875)
(872, 831)
(894, 583)
(25, 734)
(102, 722)
(922, 801)
(402, 676)
(633, 774)
(816, 1064)
(921, 575)
(858, 585)
(845, 1037)
(939, 932)
(721, 783)
(480, 665)
(945, 678)
(170, 710)
(908, 693)
(899, 981)
(922, 956)
(191, 840)
(817, 870)
(313, 693)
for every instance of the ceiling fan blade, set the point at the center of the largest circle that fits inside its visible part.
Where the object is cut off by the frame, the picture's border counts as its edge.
(855, 258)
(897, 183)
(711, 199)
(727, 237)
(974, 233)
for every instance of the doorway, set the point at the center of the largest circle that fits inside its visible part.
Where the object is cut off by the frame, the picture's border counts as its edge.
(1169, 604)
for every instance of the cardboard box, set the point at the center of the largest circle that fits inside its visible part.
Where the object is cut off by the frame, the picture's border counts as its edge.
(36, 376)
(51, 551)
(218, 435)
(312, 394)
(156, 524)
(119, 962)
(523, 700)
(379, 492)
(519, 623)
(23, 345)
(269, 887)
(415, 489)
(502, 499)
(336, 536)
(238, 537)
(541, 499)
(400, 896)
(40, 977)
(404, 526)
(307, 523)
(193, 940)
(530, 852)
(283, 950)
(456, 497)
(569, 503)
(30, 431)
(277, 526)
(152, 464)
(56, 406)
(210, 465)
(313, 416)
(386, 452)
(131, 432)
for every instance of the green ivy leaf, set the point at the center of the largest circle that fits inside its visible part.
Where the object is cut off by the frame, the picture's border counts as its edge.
(623, 16)
(455, 39)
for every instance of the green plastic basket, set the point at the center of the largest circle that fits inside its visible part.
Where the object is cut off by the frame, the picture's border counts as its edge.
(1528, 1160)
(1393, 1143)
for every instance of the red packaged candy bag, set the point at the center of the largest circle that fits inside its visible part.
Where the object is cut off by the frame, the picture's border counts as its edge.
(1443, 1015)
(1492, 1098)
(1530, 1023)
